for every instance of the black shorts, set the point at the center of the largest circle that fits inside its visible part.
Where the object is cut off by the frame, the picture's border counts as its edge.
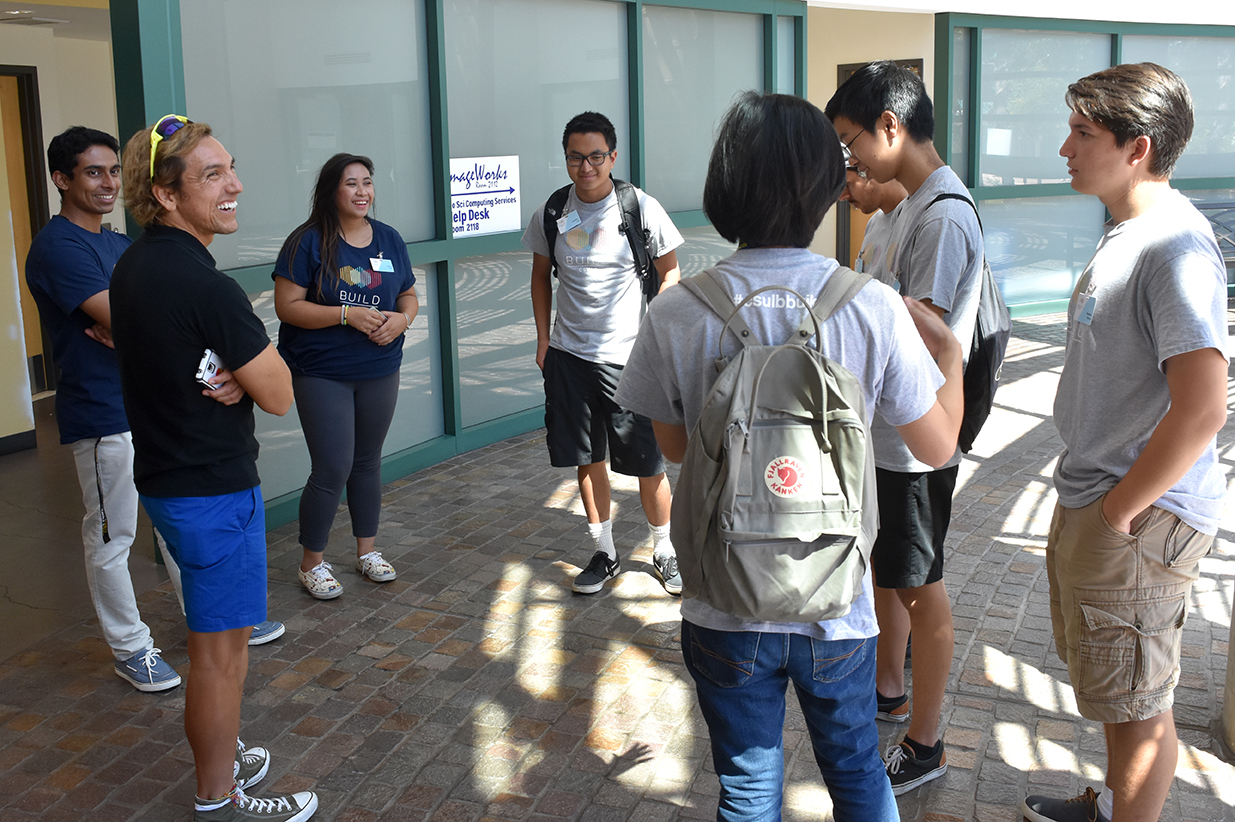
(581, 418)
(914, 510)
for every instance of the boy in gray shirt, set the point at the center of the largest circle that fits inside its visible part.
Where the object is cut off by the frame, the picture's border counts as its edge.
(1141, 398)
(884, 118)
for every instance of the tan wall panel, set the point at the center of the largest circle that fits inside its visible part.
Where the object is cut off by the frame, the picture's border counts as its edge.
(835, 37)
(16, 410)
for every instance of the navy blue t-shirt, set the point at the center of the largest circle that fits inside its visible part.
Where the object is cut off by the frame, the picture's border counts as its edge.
(340, 352)
(66, 266)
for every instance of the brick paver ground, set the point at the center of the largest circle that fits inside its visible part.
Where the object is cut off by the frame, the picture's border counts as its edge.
(477, 686)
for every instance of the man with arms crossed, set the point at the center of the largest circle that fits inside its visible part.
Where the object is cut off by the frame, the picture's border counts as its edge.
(69, 270)
(1142, 395)
(195, 461)
(885, 119)
(599, 298)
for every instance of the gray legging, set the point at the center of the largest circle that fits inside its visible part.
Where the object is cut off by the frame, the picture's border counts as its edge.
(345, 424)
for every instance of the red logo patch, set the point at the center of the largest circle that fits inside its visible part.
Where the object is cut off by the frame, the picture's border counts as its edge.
(784, 476)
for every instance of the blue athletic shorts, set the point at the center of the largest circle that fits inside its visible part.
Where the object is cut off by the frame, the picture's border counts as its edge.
(220, 545)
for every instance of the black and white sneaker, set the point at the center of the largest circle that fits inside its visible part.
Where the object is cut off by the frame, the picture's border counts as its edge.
(600, 570)
(1083, 808)
(907, 772)
(666, 566)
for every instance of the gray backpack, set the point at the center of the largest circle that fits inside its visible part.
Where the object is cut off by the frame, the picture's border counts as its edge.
(774, 513)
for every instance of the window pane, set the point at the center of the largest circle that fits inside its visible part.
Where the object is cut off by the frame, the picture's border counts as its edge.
(497, 337)
(1039, 247)
(702, 248)
(694, 62)
(518, 71)
(284, 91)
(283, 461)
(1219, 207)
(786, 55)
(960, 104)
(1024, 119)
(1207, 65)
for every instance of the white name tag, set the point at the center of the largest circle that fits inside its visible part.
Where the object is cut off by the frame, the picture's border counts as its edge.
(379, 264)
(567, 222)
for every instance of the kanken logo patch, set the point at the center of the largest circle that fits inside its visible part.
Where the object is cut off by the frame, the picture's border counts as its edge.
(784, 476)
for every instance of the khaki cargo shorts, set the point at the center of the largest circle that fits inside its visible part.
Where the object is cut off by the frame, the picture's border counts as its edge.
(1118, 604)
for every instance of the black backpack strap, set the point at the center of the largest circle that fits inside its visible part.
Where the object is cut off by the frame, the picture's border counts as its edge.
(951, 195)
(553, 211)
(637, 236)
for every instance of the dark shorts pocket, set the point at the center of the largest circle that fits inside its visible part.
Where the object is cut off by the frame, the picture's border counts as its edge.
(1129, 649)
(725, 658)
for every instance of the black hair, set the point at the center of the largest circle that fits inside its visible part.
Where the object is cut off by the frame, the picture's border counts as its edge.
(1138, 100)
(324, 215)
(884, 86)
(590, 122)
(67, 146)
(776, 169)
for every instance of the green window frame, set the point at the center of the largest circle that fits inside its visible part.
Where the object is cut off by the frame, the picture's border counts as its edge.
(950, 129)
(149, 74)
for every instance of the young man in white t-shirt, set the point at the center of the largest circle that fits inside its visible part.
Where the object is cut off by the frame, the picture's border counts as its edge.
(581, 354)
(887, 123)
(1141, 398)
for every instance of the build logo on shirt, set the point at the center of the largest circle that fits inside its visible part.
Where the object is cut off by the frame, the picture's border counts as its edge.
(360, 277)
(598, 242)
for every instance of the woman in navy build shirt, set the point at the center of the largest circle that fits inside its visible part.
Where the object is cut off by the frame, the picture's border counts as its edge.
(344, 291)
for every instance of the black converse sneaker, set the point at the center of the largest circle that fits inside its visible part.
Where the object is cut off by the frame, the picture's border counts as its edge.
(600, 570)
(907, 772)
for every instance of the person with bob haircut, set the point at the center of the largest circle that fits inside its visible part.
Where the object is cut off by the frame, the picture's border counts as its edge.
(1142, 396)
(345, 292)
(935, 254)
(195, 452)
(776, 168)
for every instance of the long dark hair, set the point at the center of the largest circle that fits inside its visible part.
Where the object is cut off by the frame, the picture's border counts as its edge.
(324, 216)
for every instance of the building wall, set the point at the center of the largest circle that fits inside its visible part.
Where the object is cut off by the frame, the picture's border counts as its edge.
(836, 37)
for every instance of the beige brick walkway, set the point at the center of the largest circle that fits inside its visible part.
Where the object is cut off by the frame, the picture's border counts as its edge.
(476, 686)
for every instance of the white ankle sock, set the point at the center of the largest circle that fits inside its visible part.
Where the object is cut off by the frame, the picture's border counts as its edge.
(661, 545)
(602, 535)
(1106, 803)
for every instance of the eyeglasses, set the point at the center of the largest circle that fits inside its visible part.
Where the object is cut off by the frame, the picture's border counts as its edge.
(596, 158)
(166, 127)
(844, 148)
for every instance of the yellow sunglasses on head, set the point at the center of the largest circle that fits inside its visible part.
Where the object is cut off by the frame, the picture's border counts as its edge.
(164, 128)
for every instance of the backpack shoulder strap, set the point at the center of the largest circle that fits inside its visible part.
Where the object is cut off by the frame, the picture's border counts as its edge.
(632, 227)
(951, 195)
(553, 210)
(841, 287)
(705, 287)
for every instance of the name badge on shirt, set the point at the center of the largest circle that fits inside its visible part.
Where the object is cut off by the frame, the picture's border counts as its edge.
(857, 265)
(381, 265)
(1085, 315)
(567, 222)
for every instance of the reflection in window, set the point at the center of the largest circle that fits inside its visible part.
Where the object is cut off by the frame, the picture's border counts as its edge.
(497, 337)
(283, 461)
(285, 84)
(694, 64)
(1024, 118)
(1219, 208)
(1207, 65)
(518, 71)
(1038, 247)
(703, 248)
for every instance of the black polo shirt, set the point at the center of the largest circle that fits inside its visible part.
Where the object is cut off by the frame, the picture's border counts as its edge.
(168, 304)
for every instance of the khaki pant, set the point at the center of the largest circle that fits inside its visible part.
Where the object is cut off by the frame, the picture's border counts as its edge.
(1118, 604)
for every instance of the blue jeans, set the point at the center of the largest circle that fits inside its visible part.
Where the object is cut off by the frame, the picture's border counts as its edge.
(741, 677)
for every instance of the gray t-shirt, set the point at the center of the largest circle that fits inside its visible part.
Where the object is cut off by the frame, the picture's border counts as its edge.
(936, 254)
(671, 371)
(873, 258)
(1155, 288)
(599, 297)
